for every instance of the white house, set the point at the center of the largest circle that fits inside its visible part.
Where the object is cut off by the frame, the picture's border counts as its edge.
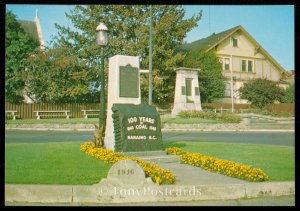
(242, 58)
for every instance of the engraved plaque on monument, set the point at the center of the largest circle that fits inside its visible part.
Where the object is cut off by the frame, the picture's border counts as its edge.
(129, 85)
(136, 128)
(127, 173)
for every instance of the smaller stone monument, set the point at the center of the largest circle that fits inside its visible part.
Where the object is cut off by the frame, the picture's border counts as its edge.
(187, 94)
(126, 173)
(125, 182)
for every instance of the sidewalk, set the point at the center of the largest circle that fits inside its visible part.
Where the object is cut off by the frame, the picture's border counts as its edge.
(262, 201)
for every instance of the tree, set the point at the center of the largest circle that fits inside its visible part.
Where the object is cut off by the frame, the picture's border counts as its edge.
(261, 92)
(18, 46)
(57, 76)
(211, 80)
(289, 94)
(129, 35)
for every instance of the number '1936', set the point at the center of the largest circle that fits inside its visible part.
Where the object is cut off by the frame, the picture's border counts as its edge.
(125, 171)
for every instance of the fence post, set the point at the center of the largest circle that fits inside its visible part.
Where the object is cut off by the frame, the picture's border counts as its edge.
(215, 110)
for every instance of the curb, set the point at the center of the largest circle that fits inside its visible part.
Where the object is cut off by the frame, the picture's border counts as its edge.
(163, 129)
(94, 193)
(50, 129)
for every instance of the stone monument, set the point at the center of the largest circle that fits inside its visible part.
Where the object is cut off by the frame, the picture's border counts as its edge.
(187, 94)
(130, 125)
(118, 76)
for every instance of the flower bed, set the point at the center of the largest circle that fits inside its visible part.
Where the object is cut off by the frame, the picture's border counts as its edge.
(157, 174)
(220, 166)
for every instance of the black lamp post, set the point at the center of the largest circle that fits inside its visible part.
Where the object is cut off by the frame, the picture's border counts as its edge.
(102, 40)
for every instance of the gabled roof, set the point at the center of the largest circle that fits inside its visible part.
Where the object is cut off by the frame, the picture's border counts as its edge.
(212, 41)
(30, 28)
(208, 42)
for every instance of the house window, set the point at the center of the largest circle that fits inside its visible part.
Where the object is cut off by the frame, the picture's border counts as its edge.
(250, 66)
(234, 42)
(226, 64)
(247, 66)
(244, 65)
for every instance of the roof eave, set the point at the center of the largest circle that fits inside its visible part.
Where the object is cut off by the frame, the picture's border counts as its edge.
(253, 40)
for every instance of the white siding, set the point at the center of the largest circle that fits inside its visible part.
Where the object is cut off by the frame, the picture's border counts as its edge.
(236, 65)
(245, 47)
(259, 68)
(267, 68)
(246, 51)
(275, 75)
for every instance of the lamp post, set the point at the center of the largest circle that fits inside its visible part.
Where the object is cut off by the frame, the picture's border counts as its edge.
(102, 40)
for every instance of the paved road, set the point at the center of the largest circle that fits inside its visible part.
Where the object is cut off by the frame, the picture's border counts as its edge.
(279, 138)
(264, 201)
(274, 138)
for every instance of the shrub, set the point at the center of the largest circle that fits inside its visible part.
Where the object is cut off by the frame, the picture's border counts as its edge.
(229, 118)
(289, 94)
(157, 174)
(225, 117)
(261, 92)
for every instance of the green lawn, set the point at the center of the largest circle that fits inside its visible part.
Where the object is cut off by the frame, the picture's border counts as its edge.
(52, 163)
(277, 161)
(64, 163)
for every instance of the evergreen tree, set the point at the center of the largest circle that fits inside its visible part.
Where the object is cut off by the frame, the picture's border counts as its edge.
(211, 80)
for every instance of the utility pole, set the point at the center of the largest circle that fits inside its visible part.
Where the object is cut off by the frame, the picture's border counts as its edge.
(150, 58)
(231, 87)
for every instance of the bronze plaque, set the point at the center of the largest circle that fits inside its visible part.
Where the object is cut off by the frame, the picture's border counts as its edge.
(197, 91)
(188, 83)
(129, 81)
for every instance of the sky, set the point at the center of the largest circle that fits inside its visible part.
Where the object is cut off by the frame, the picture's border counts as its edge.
(272, 26)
